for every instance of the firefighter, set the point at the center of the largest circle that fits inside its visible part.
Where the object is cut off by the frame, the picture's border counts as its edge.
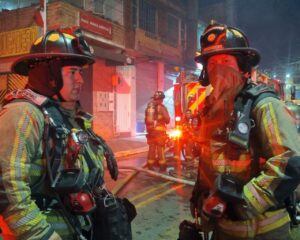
(51, 161)
(250, 159)
(187, 132)
(156, 119)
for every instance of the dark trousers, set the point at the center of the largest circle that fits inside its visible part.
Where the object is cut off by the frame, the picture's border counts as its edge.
(156, 155)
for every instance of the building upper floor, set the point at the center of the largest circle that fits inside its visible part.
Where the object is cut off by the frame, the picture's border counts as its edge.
(124, 30)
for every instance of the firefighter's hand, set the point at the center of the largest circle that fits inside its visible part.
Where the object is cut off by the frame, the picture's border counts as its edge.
(55, 236)
(112, 165)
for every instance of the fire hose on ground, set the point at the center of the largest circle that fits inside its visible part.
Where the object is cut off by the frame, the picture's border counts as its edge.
(136, 170)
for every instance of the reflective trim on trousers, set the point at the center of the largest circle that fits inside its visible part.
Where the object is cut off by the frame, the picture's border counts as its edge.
(151, 161)
(257, 201)
(259, 225)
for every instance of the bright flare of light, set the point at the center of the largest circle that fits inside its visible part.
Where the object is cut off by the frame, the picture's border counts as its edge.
(175, 133)
(177, 119)
(199, 66)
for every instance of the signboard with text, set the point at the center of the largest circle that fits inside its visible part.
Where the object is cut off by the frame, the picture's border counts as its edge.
(17, 42)
(95, 25)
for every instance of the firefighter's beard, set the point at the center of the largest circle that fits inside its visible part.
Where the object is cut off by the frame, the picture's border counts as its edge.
(227, 83)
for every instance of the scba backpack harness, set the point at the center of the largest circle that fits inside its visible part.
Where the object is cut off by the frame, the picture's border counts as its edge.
(243, 106)
(73, 192)
(239, 134)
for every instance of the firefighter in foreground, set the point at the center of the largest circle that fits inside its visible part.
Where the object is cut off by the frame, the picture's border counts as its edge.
(156, 119)
(52, 163)
(250, 162)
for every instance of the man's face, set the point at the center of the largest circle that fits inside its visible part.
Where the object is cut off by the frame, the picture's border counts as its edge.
(224, 75)
(72, 82)
(188, 114)
(223, 59)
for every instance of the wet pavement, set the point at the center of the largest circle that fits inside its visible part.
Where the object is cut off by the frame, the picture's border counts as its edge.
(124, 146)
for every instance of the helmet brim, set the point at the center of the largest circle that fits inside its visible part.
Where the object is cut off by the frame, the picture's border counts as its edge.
(251, 54)
(22, 65)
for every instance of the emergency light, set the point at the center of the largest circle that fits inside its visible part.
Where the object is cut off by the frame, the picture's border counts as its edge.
(177, 119)
(175, 133)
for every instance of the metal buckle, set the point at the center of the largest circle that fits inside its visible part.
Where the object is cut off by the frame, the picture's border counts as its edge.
(61, 133)
(109, 200)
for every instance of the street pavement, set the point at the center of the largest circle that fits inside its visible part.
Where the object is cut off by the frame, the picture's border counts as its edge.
(124, 146)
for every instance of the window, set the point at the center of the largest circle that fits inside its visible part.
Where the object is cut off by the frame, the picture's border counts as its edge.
(99, 7)
(147, 17)
(110, 9)
(15, 4)
(183, 35)
(113, 10)
(200, 30)
(134, 13)
(172, 30)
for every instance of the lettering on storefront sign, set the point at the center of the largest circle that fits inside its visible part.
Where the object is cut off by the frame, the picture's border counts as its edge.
(17, 42)
(95, 25)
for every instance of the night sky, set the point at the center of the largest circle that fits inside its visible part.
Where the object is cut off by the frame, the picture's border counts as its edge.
(272, 27)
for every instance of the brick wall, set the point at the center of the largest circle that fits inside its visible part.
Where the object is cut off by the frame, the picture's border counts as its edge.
(21, 18)
(61, 15)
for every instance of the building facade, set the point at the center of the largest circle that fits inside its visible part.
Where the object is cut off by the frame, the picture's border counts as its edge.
(140, 47)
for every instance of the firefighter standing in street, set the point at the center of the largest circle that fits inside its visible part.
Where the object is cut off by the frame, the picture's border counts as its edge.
(156, 119)
(187, 134)
(245, 178)
(51, 162)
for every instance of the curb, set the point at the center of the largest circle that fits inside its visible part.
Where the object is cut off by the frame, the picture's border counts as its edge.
(131, 152)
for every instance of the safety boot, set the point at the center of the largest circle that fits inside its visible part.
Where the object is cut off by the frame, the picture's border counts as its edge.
(150, 166)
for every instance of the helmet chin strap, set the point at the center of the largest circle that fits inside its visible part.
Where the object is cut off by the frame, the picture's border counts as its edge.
(60, 97)
(58, 79)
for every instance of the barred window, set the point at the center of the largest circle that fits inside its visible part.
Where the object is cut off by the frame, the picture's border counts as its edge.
(147, 16)
(172, 30)
(15, 4)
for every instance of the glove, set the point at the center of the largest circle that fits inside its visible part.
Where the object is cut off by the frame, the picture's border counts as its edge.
(230, 189)
(108, 154)
(111, 164)
(193, 209)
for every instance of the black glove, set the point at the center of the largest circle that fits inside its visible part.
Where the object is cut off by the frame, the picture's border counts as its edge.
(108, 154)
(230, 189)
(111, 163)
(198, 193)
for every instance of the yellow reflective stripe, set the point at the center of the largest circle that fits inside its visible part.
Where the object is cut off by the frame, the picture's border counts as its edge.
(271, 127)
(200, 99)
(18, 157)
(151, 161)
(260, 204)
(241, 164)
(262, 224)
(273, 222)
(160, 128)
(275, 125)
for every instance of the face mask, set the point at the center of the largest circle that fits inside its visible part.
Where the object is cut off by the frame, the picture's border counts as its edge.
(226, 81)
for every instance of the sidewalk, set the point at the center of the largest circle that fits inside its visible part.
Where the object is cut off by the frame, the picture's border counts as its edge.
(124, 146)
